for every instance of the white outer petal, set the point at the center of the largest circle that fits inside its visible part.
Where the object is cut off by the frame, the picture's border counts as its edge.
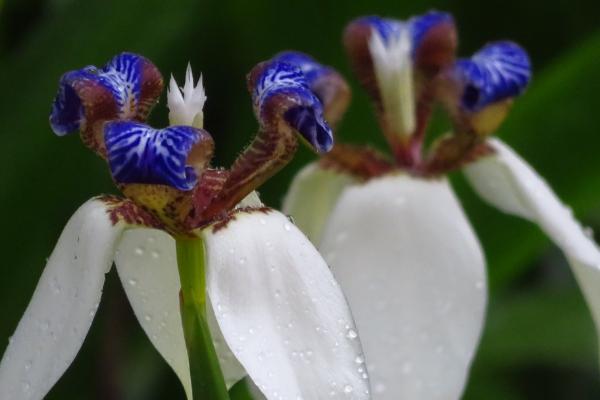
(414, 273)
(311, 197)
(63, 305)
(507, 182)
(281, 311)
(147, 264)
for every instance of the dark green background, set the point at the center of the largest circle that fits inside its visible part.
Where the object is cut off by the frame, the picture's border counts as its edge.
(539, 341)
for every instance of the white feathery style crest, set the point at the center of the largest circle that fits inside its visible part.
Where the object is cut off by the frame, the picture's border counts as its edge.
(186, 103)
(393, 70)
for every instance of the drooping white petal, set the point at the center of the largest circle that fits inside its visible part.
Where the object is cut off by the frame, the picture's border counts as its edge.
(147, 264)
(311, 197)
(281, 311)
(63, 305)
(186, 104)
(392, 63)
(509, 183)
(413, 270)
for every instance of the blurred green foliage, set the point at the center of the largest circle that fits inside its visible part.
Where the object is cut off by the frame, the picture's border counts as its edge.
(539, 342)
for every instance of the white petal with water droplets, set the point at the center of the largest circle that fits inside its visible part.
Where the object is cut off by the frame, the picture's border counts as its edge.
(414, 273)
(63, 305)
(312, 194)
(507, 182)
(146, 260)
(281, 311)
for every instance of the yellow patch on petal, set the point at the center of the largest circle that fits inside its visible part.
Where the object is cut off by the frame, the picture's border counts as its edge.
(171, 206)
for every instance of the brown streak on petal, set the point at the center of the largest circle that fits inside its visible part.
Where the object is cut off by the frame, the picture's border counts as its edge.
(359, 162)
(335, 94)
(100, 106)
(226, 218)
(152, 86)
(437, 49)
(125, 210)
(356, 42)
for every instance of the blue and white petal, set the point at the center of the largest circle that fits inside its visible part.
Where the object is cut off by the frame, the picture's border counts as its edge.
(125, 88)
(138, 153)
(507, 182)
(499, 71)
(282, 88)
(393, 69)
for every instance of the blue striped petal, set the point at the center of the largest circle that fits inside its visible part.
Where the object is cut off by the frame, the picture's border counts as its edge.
(138, 153)
(498, 71)
(306, 112)
(311, 69)
(125, 88)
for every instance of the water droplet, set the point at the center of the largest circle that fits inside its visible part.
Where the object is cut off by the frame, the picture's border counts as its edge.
(351, 334)
(148, 317)
(341, 237)
(379, 388)
(359, 360)
(139, 251)
(287, 226)
(155, 254)
(132, 282)
(399, 201)
(263, 221)
(27, 365)
(242, 260)
(348, 389)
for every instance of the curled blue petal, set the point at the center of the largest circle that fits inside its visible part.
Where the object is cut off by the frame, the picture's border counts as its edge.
(303, 111)
(421, 25)
(311, 69)
(138, 153)
(125, 88)
(312, 127)
(498, 71)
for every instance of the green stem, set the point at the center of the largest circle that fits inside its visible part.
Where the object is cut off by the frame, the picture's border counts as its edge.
(207, 378)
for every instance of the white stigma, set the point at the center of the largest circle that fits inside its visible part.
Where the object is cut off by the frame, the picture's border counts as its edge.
(186, 103)
(393, 71)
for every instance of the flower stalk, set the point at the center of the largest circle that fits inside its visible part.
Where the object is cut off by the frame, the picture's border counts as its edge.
(207, 379)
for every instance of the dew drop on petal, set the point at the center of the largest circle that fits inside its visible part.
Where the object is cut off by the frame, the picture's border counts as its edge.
(351, 334)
